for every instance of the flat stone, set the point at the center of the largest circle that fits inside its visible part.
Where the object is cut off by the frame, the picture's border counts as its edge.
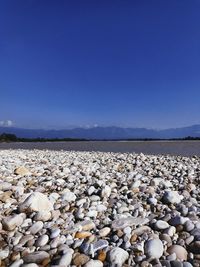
(86, 225)
(161, 225)
(30, 265)
(129, 221)
(83, 234)
(141, 230)
(99, 245)
(94, 263)
(36, 257)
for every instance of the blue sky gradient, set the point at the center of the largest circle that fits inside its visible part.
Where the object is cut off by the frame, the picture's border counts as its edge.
(78, 63)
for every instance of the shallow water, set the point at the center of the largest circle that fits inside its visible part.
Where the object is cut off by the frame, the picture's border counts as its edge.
(183, 148)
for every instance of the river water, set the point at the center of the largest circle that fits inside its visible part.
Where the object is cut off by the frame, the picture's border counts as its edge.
(183, 148)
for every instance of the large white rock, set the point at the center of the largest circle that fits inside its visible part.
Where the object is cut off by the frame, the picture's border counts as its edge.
(36, 202)
(172, 197)
(154, 248)
(118, 256)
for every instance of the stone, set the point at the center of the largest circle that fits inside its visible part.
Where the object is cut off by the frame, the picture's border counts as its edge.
(69, 196)
(187, 264)
(92, 213)
(4, 253)
(141, 230)
(94, 263)
(178, 220)
(54, 233)
(66, 258)
(165, 263)
(195, 247)
(42, 216)
(172, 197)
(11, 222)
(83, 234)
(181, 252)
(129, 221)
(99, 245)
(5, 196)
(154, 248)
(102, 255)
(104, 231)
(5, 186)
(80, 259)
(36, 227)
(36, 202)
(36, 257)
(161, 225)
(176, 263)
(30, 265)
(189, 226)
(17, 263)
(106, 191)
(22, 171)
(118, 256)
(42, 241)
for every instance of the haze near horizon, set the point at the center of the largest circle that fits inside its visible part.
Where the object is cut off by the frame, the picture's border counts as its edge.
(87, 63)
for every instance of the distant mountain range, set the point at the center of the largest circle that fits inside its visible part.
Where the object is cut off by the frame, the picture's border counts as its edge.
(105, 133)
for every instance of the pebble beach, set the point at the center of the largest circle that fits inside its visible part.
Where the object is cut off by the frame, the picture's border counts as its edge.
(95, 209)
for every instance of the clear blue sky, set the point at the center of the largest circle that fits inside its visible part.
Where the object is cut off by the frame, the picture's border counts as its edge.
(129, 63)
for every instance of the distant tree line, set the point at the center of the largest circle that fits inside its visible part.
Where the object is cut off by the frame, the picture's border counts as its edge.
(6, 137)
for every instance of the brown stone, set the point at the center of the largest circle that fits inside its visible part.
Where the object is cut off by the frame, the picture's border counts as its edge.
(46, 262)
(80, 259)
(102, 255)
(5, 196)
(83, 234)
(22, 171)
(133, 238)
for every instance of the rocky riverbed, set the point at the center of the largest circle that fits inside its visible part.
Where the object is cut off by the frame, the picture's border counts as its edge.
(96, 209)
